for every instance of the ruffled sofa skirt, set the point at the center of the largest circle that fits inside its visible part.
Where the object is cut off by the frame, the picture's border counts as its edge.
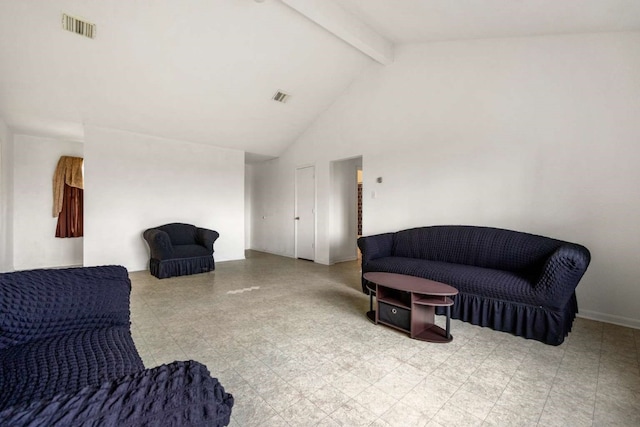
(181, 266)
(533, 322)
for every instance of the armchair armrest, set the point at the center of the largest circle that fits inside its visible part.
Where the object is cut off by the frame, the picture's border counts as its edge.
(376, 246)
(159, 243)
(39, 304)
(561, 274)
(206, 237)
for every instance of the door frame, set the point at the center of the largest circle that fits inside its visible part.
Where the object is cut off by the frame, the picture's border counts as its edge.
(315, 210)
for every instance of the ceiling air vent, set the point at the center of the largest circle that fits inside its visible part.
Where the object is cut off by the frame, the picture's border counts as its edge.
(78, 26)
(281, 97)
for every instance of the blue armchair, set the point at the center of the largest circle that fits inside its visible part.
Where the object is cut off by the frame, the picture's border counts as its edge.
(180, 249)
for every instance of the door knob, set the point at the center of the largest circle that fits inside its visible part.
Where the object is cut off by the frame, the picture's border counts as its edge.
(297, 218)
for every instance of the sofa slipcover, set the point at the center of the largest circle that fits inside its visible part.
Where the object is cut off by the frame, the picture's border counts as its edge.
(508, 280)
(67, 358)
(180, 249)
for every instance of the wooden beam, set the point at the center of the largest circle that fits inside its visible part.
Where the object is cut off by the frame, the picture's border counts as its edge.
(345, 26)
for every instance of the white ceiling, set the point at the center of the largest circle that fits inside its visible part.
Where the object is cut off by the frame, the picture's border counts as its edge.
(205, 71)
(417, 21)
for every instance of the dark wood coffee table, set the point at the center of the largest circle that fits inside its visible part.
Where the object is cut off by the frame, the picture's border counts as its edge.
(408, 303)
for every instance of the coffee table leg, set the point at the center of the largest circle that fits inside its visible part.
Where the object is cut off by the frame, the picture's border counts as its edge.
(448, 330)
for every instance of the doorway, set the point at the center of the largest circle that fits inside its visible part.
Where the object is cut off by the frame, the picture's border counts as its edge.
(305, 213)
(345, 209)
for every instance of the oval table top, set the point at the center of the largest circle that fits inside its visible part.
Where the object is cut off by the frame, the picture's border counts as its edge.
(403, 282)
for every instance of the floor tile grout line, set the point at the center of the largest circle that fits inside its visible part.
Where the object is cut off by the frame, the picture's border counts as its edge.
(155, 307)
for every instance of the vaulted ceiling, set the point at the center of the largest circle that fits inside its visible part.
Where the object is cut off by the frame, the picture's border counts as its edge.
(205, 71)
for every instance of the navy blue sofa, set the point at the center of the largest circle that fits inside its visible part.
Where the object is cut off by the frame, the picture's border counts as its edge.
(67, 358)
(507, 280)
(180, 249)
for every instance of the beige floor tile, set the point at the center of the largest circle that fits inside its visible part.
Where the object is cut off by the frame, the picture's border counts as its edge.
(350, 384)
(328, 422)
(251, 410)
(611, 413)
(328, 398)
(504, 417)
(375, 400)
(452, 416)
(298, 350)
(352, 414)
(430, 395)
(396, 386)
(562, 410)
(402, 415)
(303, 414)
(472, 403)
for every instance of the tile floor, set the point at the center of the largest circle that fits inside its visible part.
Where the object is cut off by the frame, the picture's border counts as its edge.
(290, 340)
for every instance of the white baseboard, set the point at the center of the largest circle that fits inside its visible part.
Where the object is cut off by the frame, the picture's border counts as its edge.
(608, 318)
(271, 252)
(345, 259)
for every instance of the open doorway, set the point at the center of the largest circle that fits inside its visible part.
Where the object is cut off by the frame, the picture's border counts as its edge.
(305, 211)
(359, 181)
(346, 210)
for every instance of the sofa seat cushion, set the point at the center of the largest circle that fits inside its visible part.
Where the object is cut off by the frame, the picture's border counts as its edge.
(490, 283)
(66, 363)
(190, 251)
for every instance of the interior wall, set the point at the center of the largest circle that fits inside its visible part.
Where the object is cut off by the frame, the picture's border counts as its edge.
(134, 182)
(6, 198)
(343, 230)
(35, 245)
(535, 134)
(248, 209)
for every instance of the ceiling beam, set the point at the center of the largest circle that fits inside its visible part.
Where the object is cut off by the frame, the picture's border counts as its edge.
(345, 26)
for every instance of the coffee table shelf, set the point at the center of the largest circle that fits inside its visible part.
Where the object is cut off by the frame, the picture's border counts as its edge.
(436, 302)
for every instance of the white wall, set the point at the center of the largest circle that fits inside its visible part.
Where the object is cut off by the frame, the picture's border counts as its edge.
(343, 229)
(34, 228)
(6, 198)
(134, 182)
(248, 197)
(534, 134)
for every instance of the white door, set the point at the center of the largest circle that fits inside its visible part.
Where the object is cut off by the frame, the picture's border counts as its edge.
(305, 215)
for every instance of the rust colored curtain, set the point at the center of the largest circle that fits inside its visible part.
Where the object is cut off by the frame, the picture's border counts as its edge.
(70, 219)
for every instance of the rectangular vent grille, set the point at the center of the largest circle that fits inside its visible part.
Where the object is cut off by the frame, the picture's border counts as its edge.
(78, 26)
(281, 97)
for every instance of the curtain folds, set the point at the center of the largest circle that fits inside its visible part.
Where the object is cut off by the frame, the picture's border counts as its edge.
(68, 184)
(71, 217)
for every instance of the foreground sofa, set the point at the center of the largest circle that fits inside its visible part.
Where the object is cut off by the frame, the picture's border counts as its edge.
(67, 358)
(507, 280)
(180, 249)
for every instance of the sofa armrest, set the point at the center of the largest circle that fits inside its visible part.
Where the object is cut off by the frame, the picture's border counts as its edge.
(560, 275)
(376, 246)
(37, 304)
(159, 243)
(178, 394)
(206, 237)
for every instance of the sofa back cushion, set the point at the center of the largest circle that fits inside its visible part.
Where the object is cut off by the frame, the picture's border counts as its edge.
(180, 234)
(37, 304)
(479, 246)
